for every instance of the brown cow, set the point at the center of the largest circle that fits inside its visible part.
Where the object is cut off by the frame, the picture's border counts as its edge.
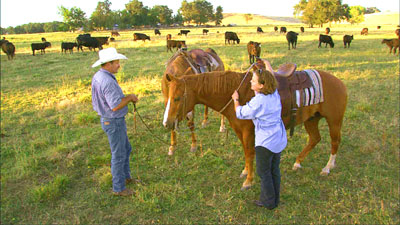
(364, 31)
(347, 40)
(115, 33)
(140, 36)
(175, 44)
(327, 30)
(391, 43)
(169, 36)
(397, 32)
(254, 50)
(9, 49)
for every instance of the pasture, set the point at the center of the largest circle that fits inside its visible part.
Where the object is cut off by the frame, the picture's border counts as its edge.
(55, 159)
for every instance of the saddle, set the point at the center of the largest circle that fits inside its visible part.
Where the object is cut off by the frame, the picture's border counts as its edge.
(289, 81)
(200, 61)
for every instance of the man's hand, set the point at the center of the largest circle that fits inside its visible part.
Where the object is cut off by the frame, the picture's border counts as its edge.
(133, 98)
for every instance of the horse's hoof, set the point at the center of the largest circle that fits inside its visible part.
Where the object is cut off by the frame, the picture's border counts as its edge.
(324, 172)
(222, 129)
(171, 150)
(193, 149)
(243, 175)
(296, 166)
(245, 188)
(204, 123)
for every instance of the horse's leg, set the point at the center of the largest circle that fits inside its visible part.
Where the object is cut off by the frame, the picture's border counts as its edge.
(334, 131)
(246, 135)
(314, 137)
(173, 143)
(222, 128)
(193, 146)
(205, 121)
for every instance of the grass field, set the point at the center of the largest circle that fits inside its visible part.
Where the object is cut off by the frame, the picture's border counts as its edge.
(55, 159)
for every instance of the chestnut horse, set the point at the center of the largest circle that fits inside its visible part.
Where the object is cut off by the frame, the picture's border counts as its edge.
(191, 62)
(214, 89)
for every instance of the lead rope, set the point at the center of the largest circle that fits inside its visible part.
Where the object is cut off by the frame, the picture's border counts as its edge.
(248, 70)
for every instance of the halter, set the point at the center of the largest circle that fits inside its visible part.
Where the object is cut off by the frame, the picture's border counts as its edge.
(248, 70)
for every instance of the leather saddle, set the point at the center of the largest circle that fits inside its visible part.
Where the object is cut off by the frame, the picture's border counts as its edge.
(289, 81)
(201, 61)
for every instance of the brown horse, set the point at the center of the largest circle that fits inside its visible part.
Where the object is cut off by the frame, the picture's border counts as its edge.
(195, 61)
(187, 91)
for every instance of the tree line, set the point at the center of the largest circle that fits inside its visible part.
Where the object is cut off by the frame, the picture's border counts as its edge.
(135, 14)
(319, 12)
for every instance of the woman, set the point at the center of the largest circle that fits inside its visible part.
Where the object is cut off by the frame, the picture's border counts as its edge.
(265, 111)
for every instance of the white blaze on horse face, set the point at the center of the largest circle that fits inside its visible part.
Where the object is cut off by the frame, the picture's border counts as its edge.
(166, 113)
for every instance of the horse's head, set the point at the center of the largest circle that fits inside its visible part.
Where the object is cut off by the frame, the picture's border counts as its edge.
(179, 102)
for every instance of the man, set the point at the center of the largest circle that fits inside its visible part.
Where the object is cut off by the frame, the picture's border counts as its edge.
(111, 104)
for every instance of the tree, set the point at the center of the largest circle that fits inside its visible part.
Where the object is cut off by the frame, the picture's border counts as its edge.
(162, 13)
(74, 17)
(318, 12)
(198, 11)
(356, 14)
(248, 17)
(137, 12)
(218, 16)
(102, 15)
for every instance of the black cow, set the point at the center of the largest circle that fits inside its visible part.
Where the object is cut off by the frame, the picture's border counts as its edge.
(140, 36)
(275, 29)
(283, 30)
(302, 29)
(327, 40)
(8, 48)
(68, 46)
(40, 46)
(364, 31)
(254, 50)
(205, 31)
(157, 31)
(175, 44)
(88, 41)
(347, 40)
(102, 40)
(259, 30)
(231, 36)
(291, 37)
(185, 32)
(327, 30)
(44, 39)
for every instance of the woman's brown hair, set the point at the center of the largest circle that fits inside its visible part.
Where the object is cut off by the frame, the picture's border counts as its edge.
(267, 79)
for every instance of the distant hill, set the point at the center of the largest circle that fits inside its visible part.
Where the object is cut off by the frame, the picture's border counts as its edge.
(384, 18)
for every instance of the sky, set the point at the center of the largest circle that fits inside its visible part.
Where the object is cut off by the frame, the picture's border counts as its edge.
(18, 12)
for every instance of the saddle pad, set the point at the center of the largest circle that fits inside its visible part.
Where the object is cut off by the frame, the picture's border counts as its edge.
(313, 94)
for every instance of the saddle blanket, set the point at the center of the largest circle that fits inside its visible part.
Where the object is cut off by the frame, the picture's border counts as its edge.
(313, 94)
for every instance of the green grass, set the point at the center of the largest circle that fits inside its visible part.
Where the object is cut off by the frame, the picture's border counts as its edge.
(55, 159)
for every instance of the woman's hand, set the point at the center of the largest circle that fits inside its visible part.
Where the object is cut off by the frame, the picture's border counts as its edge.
(235, 96)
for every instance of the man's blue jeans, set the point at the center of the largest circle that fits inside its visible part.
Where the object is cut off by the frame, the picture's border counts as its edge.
(267, 164)
(115, 128)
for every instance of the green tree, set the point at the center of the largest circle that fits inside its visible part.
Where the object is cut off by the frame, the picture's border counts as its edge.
(102, 15)
(198, 11)
(318, 12)
(356, 14)
(137, 12)
(163, 14)
(218, 16)
(74, 17)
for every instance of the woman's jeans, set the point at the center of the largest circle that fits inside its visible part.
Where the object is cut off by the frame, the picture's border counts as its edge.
(270, 176)
(115, 128)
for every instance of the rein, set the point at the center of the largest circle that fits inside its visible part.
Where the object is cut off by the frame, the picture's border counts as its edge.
(248, 70)
(140, 117)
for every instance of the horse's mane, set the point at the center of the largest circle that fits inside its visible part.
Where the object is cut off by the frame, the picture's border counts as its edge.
(218, 82)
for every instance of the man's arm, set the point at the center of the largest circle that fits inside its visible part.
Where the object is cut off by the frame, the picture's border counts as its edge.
(125, 101)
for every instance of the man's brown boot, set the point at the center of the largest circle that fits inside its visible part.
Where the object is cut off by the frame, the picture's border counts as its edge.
(126, 192)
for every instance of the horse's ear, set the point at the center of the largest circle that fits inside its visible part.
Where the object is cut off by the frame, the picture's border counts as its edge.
(170, 77)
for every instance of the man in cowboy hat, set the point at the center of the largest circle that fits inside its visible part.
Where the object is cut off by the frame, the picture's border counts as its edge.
(111, 104)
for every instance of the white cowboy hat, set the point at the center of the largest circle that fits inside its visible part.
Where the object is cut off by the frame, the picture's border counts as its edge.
(108, 55)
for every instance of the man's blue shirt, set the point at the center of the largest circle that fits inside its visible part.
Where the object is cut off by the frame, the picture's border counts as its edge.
(106, 95)
(265, 111)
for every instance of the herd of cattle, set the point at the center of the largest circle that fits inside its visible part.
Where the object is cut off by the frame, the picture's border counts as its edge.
(254, 48)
